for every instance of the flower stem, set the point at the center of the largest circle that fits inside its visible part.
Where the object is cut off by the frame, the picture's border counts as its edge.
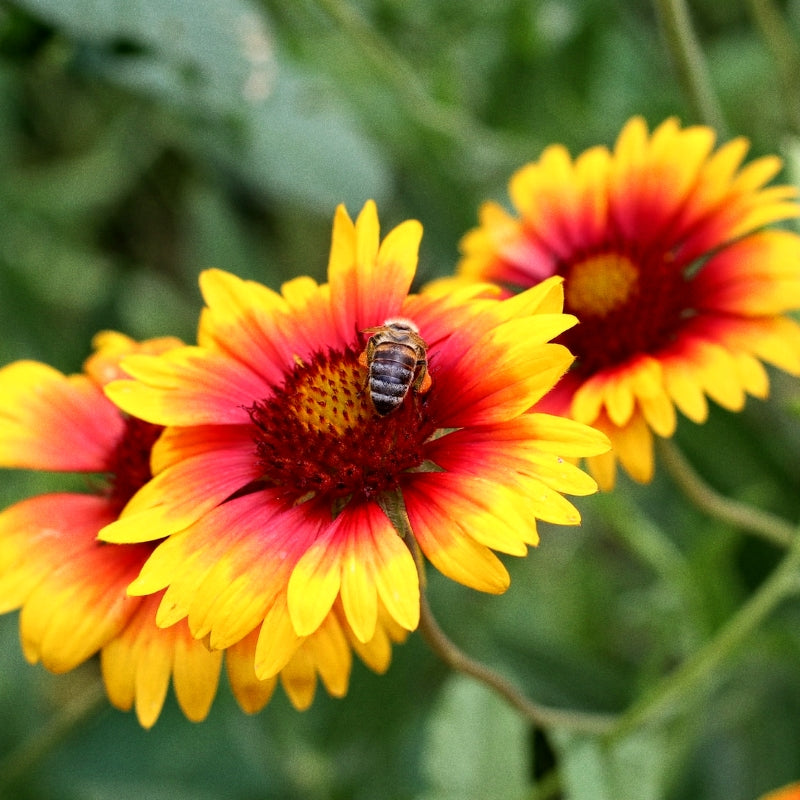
(689, 62)
(785, 53)
(732, 512)
(459, 661)
(26, 756)
(672, 691)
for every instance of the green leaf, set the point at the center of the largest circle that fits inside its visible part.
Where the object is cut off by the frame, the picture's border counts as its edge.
(634, 768)
(476, 746)
(293, 136)
(305, 147)
(200, 49)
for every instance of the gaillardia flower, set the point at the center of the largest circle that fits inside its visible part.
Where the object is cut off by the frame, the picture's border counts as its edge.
(679, 289)
(789, 792)
(276, 476)
(71, 588)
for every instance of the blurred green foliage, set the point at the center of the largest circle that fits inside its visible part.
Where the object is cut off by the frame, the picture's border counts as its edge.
(142, 141)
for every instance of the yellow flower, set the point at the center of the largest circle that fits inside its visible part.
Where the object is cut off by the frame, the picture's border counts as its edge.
(679, 289)
(72, 588)
(276, 474)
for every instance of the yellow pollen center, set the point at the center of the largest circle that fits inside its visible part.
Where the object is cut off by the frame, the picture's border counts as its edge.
(332, 398)
(318, 436)
(600, 284)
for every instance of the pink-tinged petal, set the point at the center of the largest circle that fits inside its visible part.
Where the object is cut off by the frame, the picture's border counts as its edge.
(369, 280)
(188, 386)
(111, 347)
(51, 421)
(236, 592)
(498, 384)
(226, 570)
(182, 493)
(451, 550)
(240, 320)
(40, 534)
(756, 276)
(80, 606)
(510, 453)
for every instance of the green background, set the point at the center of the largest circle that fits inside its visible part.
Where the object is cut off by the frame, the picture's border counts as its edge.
(142, 141)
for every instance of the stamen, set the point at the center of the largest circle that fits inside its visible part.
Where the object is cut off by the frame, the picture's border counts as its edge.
(625, 305)
(129, 464)
(600, 284)
(319, 436)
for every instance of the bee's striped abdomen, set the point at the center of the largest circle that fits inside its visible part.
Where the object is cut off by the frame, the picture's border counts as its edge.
(390, 376)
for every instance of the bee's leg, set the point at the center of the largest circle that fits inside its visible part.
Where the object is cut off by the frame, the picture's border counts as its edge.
(423, 380)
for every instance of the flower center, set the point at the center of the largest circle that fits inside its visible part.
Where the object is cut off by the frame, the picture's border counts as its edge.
(129, 465)
(600, 284)
(627, 304)
(318, 434)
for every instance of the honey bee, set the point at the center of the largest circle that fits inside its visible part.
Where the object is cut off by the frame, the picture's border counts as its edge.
(396, 358)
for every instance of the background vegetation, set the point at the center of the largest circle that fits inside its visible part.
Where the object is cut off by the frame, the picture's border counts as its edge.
(142, 141)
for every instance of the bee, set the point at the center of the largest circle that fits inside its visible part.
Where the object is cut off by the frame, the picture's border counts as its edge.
(396, 358)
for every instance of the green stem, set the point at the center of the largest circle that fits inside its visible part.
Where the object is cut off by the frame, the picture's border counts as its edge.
(785, 52)
(672, 691)
(731, 512)
(689, 62)
(27, 755)
(459, 661)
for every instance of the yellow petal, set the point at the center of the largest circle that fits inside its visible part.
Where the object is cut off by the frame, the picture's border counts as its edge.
(359, 593)
(314, 584)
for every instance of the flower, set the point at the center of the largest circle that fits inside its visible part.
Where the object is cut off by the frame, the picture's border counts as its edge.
(71, 588)
(680, 290)
(276, 477)
(788, 792)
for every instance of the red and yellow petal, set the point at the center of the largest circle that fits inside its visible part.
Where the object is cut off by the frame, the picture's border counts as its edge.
(443, 533)
(637, 386)
(239, 320)
(756, 276)
(227, 570)
(369, 279)
(197, 469)
(361, 555)
(71, 589)
(512, 453)
(111, 347)
(187, 386)
(52, 421)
